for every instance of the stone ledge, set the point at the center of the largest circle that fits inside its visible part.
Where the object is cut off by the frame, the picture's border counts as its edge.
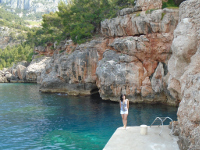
(131, 138)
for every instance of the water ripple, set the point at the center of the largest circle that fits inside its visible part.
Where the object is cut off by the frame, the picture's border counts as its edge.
(33, 120)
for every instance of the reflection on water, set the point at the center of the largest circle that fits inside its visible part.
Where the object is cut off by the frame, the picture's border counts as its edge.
(33, 120)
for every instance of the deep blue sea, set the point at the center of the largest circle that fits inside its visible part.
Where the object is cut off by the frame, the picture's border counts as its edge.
(33, 120)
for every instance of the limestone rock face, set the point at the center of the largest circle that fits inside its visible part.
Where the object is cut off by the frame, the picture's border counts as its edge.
(3, 78)
(144, 40)
(47, 51)
(36, 68)
(14, 74)
(119, 73)
(189, 112)
(157, 81)
(9, 76)
(184, 69)
(131, 58)
(6, 38)
(21, 72)
(136, 64)
(163, 21)
(146, 88)
(143, 52)
(126, 11)
(74, 73)
(33, 5)
(21, 4)
(183, 47)
(149, 4)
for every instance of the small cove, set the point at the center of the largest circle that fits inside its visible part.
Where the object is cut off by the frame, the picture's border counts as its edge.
(33, 120)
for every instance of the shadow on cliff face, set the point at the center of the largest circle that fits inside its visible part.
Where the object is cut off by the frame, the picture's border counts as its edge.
(94, 91)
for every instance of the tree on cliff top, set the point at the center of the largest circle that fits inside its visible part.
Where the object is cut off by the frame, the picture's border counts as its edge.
(78, 20)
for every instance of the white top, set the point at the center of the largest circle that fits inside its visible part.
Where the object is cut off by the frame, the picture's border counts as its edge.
(124, 105)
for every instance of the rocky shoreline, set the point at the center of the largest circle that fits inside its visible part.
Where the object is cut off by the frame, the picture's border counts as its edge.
(123, 60)
(151, 56)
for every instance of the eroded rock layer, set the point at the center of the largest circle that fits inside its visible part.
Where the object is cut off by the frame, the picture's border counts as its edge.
(74, 71)
(136, 63)
(132, 58)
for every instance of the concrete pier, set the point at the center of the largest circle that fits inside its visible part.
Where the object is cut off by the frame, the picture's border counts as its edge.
(131, 139)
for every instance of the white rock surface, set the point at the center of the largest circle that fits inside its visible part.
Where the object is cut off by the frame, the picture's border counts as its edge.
(184, 69)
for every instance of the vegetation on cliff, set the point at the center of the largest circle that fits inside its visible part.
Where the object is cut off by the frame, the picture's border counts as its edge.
(169, 3)
(16, 32)
(11, 20)
(78, 20)
(18, 53)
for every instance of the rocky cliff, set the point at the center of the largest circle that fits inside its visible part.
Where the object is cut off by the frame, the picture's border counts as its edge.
(151, 56)
(33, 5)
(184, 69)
(131, 58)
(24, 71)
(6, 38)
(137, 64)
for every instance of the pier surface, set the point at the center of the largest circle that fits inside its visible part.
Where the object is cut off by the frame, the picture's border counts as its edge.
(131, 139)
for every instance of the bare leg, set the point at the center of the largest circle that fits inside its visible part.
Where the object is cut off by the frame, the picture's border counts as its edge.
(122, 118)
(125, 120)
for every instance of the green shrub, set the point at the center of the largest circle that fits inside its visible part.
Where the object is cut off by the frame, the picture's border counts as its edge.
(138, 14)
(61, 51)
(170, 3)
(18, 53)
(163, 14)
(149, 11)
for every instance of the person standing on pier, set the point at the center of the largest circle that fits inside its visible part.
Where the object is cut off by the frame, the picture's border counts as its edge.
(124, 106)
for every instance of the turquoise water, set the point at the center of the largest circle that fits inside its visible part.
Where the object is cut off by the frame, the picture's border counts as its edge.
(33, 120)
